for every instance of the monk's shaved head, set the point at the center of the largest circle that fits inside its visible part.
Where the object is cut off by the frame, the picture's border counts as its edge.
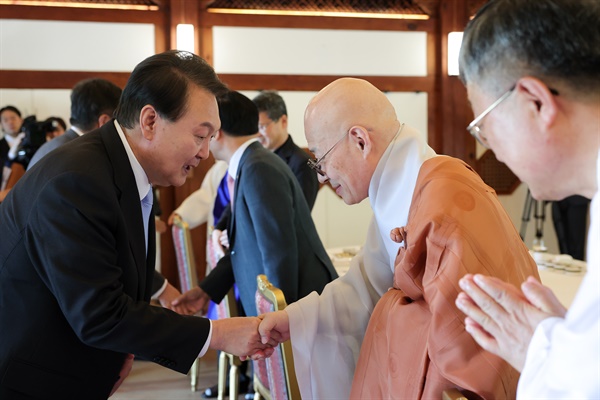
(347, 102)
(357, 121)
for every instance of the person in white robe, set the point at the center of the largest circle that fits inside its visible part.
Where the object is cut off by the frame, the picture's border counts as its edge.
(327, 330)
(536, 91)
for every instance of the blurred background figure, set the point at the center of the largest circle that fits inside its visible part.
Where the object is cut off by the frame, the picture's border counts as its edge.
(54, 127)
(11, 121)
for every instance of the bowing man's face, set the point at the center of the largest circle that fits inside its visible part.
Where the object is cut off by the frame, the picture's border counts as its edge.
(178, 146)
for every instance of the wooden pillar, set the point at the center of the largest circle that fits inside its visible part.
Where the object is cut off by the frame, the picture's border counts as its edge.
(455, 111)
(183, 12)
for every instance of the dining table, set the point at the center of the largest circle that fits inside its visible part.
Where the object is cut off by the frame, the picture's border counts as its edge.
(560, 272)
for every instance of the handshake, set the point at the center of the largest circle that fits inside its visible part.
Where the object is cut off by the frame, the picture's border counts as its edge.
(250, 337)
(247, 337)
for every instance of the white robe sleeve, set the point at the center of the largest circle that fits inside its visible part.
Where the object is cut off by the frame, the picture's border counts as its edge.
(327, 330)
(563, 358)
(197, 208)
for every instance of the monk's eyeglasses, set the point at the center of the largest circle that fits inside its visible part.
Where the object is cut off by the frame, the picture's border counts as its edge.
(315, 164)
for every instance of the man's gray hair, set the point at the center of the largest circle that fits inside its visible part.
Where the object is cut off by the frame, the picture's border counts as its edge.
(272, 103)
(552, 40)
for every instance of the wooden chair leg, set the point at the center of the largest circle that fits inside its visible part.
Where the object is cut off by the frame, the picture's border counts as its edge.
(194, 375)
(223, 364)
(234, 375)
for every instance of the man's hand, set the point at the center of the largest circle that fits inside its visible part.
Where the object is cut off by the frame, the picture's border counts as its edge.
(224, 239)
(501, 318)
(216, 244)
(239, 336)
(275, 327)
(191, 302)
(160, 225)
(172, 217)
(168, 295)
(125, 370)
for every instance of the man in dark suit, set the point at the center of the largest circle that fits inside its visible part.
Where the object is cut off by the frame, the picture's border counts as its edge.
(77, 250)
(272, 124)
(93, 102)
(271, 230)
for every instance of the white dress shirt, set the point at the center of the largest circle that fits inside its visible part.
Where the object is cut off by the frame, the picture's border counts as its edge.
(563, 358)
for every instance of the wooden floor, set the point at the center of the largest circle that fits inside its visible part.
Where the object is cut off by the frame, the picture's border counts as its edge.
(150, 381)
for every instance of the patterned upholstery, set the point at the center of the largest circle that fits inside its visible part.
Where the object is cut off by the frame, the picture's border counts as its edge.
(225, 309)
(281, 380)
(186, 268)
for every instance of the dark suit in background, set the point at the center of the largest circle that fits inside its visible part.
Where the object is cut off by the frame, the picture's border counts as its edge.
(271, 233)
(51, 145)
(297, 160)
(80, 308)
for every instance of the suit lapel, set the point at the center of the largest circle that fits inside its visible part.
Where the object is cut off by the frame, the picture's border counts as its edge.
(130, 204)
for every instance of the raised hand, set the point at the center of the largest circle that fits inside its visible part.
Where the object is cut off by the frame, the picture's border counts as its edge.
(191, 302)
(499, 316)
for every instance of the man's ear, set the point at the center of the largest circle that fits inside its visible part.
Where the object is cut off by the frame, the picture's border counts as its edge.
(284, 121)
(103, 119)
(541, 102)
(361, 138)
(148, 119)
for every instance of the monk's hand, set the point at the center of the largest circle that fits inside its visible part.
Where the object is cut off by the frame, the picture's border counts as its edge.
(239, 336)
(499, 317)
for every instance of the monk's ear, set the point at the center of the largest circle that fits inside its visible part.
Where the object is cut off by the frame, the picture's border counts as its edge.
(148, 119)
(361, 138)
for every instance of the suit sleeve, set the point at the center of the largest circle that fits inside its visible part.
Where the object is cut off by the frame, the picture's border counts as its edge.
(79, 244)
(220, 280)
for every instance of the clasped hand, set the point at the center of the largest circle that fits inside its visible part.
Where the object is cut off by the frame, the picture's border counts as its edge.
(501, 318)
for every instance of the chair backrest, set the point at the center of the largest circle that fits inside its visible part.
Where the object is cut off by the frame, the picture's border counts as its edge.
(280, 366)
(227, 308)
(186, 264)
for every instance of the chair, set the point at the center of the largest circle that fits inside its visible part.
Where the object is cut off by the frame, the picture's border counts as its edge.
(186, 268)
(227, 308)
(280, 371)
(453, 394)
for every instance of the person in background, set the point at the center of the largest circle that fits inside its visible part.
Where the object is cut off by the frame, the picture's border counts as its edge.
(535, 88)
(11, 121)
(271, 231)
(272, 126)
(77, 271)
(391, 320)
(93, 102)
(54, 127)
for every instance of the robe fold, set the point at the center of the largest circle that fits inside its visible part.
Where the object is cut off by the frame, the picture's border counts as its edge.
(416, 344)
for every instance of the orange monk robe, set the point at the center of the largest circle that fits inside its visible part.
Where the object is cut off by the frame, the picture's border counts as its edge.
(416, 344)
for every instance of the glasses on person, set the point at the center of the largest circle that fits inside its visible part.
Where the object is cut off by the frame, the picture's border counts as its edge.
(315, 164)
(475, 130)
(262, 127)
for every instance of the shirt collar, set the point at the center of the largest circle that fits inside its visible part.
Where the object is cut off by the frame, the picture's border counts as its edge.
(79, 131)
(141, 179)
(234, 162)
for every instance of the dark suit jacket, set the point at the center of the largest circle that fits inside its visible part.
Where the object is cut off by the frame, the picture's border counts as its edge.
(75, 281)
(4, 149)
(297, 160)
(271, 233)
(51, 145)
